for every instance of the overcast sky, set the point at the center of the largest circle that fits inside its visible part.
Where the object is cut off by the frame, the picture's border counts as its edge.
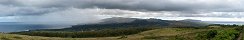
(90, 11)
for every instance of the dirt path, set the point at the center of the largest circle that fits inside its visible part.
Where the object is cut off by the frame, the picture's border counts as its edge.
(240, 36)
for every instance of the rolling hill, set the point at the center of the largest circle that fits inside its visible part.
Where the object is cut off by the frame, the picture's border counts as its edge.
(155, 34)
(118, 22)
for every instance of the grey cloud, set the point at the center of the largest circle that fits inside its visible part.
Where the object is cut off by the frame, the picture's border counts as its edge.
(40, 7)
(21, 11)
(69, 16)
(184, 6)
(85, 11)
(141, 5)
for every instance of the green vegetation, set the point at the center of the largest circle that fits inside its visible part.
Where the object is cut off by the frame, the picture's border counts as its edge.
(24, 37)
(242, 36)
(226, 35)
(85, 34)
(212, 32)
(207, 36)
(218, 35)
(139, 29)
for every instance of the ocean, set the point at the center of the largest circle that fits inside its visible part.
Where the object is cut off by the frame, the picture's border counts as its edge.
(26, 27)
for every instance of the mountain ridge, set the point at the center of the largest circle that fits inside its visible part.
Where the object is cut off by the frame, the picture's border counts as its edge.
(118, 22)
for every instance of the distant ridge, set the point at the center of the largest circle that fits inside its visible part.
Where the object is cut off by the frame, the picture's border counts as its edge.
(191, 20)
(119, 22)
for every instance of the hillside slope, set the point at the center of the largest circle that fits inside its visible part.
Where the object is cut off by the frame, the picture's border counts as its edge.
(139, 36)
(115, 23)
(155, 34)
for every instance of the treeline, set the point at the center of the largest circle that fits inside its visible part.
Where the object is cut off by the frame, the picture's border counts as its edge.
(219, 35)
(223, 25)
(230, 34)
(85, 34)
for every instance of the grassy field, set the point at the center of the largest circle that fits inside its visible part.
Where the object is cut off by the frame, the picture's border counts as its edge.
(156, 34)
(140, 36)
(24, 37)
(242, 36)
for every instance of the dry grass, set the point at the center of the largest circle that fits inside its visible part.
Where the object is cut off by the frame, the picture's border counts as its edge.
(24, 37)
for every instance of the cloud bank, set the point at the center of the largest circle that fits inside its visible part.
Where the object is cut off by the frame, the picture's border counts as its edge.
(91, 11)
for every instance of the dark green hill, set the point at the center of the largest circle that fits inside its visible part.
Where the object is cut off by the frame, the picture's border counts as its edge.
(118, 23)
(111, 28)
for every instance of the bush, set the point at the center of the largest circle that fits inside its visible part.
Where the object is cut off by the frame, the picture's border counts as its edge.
(218, 35)
(207, 36)
(226, 35)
